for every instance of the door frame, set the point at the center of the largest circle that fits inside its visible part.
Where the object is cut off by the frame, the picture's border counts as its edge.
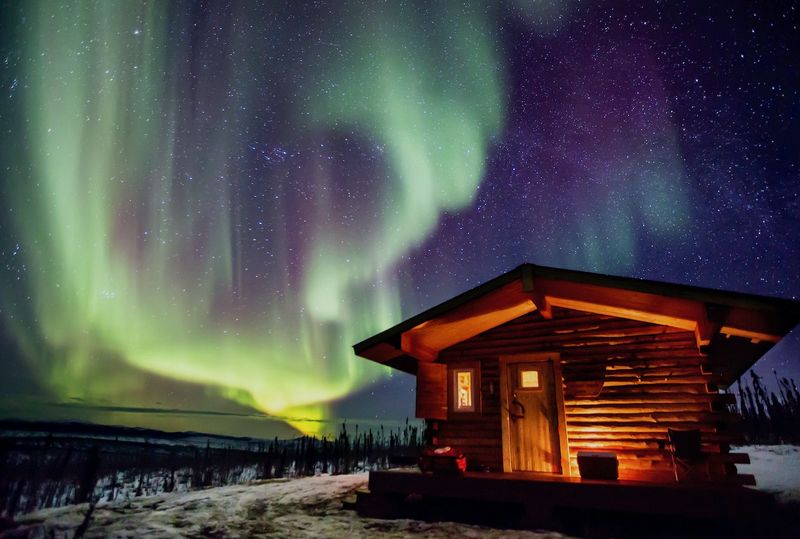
(558, 382)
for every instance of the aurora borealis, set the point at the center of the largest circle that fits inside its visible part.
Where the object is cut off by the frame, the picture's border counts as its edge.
(204, 205)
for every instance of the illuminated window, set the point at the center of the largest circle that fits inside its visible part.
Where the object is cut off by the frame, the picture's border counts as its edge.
(464, 390)
(529, 379)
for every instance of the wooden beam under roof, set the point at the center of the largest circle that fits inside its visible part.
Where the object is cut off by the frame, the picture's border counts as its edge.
(754, 325)
(760, 321)
(633, 305)
(524, 295)
(494, 308)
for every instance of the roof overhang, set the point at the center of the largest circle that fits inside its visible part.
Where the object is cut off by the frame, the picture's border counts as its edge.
(740, 326)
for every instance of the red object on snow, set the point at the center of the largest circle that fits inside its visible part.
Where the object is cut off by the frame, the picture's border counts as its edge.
(442, 460)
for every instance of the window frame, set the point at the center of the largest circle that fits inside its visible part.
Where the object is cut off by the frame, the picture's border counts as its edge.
(538, 386)
(453, 369)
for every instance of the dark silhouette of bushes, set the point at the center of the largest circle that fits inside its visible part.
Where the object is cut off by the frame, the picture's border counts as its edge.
(49, 471)
(769, 417)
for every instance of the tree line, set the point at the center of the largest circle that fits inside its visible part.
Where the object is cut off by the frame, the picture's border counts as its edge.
(38, 472)
(769, 417)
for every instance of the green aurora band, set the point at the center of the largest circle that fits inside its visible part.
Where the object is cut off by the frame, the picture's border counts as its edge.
(128, 198)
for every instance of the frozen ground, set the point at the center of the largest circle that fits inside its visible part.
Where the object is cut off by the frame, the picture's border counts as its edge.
(306, 507)
(312, 507)
(776, 468)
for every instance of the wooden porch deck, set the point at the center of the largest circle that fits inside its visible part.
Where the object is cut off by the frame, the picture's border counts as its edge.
(542, 500)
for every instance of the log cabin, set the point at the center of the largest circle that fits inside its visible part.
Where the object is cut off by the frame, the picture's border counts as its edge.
(539, 366)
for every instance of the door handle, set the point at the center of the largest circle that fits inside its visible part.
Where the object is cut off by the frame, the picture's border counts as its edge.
(512, 414)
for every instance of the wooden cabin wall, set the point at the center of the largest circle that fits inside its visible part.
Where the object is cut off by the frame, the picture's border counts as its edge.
(478, 436)
(653, 378)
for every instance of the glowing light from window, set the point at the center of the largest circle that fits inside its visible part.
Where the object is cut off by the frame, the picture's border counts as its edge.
(529, 379)
(463, 393)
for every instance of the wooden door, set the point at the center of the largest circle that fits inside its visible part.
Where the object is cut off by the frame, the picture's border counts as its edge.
(532, 417)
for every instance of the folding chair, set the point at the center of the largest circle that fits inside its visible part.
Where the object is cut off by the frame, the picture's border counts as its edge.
(686, 452)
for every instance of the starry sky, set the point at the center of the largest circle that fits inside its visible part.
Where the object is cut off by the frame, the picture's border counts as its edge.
(203, 205)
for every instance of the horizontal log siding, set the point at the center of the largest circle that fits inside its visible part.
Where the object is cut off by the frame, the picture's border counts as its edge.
(654, 378)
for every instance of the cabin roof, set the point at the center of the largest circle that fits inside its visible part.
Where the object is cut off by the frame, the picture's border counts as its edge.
(732, 328)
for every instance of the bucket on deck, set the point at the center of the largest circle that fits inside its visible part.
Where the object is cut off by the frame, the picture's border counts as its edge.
(598, 465)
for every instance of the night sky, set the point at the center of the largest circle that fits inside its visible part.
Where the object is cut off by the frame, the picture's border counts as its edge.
(203, 205)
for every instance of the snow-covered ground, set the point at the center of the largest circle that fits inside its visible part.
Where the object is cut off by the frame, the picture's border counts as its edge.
(305, 507)
(776, 468)
(312, 507)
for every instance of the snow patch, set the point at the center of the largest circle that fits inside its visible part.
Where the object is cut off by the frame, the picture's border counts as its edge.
(305, 507)
(776, 469)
